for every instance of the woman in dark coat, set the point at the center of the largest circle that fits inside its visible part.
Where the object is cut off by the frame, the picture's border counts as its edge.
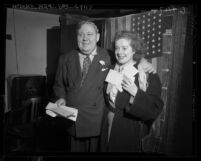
(133, 105)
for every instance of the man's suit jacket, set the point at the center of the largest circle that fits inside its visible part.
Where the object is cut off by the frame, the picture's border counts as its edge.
(88, 98)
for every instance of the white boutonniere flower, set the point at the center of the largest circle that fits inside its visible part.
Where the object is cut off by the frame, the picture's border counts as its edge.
(103, 64)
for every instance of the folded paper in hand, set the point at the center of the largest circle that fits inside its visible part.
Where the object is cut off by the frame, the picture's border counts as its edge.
(115, 78)
(130, 71)
(68, 112)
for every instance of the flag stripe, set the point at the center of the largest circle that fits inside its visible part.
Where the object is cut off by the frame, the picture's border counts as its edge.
(128, 22)
(124, 22)
(113, 28)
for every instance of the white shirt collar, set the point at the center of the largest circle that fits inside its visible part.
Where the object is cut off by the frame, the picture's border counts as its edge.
(91, 56)
(94, 52)
(123, 67)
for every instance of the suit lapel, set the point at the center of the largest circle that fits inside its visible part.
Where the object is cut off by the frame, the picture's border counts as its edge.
(75, 69)
(94, 68)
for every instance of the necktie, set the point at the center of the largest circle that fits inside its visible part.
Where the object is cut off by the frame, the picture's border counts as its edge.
(86, 64)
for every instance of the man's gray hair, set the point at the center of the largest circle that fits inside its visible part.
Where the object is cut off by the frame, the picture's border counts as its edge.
(81, 23)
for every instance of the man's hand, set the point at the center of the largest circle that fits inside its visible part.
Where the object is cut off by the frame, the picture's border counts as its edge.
(61, 102)
(148, 67)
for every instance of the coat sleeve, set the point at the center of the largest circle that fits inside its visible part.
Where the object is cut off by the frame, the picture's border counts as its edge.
(147, 105)
(60, 81)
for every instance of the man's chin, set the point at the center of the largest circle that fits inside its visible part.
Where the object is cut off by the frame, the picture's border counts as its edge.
(86, 51)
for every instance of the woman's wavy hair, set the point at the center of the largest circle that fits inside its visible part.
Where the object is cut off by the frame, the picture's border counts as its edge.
(137, 43)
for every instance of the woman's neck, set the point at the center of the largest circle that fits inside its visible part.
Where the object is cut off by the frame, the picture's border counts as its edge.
(126, 64)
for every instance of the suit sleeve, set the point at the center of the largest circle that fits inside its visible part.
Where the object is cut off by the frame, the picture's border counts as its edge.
(147, 105)
(60, 81)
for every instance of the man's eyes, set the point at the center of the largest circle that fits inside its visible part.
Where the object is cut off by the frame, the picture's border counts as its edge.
(88, 34)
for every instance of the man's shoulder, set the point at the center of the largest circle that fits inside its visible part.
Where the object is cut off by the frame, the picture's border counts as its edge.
(105, 55)
(102, 50)
(68, 55)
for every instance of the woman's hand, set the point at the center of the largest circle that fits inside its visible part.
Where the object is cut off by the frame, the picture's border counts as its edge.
(61, 102)
(129, 86)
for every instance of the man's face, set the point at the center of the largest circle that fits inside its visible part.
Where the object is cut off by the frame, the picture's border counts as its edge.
(87, 38)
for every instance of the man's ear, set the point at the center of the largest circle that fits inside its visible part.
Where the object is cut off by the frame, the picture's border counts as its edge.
(97, 37)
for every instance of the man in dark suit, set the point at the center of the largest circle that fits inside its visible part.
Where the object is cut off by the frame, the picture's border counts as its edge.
(79, 84)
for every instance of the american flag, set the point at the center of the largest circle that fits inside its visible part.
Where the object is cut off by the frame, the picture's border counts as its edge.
(149, 26)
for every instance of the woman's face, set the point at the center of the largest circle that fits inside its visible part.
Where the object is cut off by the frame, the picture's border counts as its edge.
(123, 51)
